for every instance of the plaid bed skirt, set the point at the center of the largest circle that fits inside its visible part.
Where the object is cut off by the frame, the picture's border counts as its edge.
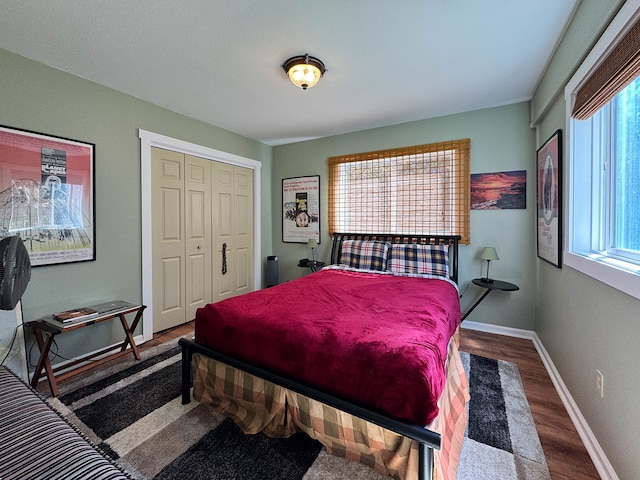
(260, 406)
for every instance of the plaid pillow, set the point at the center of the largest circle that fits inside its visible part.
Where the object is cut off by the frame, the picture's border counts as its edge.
(364, 254)
(421, 259)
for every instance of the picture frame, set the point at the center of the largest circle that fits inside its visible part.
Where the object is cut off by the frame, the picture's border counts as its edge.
(499, 190)
(301, 209)
(47, 186)
(549, 200)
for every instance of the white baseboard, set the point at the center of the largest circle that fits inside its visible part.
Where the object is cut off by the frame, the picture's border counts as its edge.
(498, 329)
(596, 453)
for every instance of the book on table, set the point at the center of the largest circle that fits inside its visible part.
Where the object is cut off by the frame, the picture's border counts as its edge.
(75, 314)
(87, 313)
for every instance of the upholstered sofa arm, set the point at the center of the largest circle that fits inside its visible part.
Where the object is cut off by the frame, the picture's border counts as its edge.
(36, 442)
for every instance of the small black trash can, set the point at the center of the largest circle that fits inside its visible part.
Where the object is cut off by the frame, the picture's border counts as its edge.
(272, 270)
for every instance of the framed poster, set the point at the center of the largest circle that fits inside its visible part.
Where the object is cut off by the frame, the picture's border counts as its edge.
(47, 195)
(549, 199)
(301, 209)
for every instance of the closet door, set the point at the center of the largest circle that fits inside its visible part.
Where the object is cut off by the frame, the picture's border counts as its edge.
(181, 219)
(202, 238)
(222, 245)
(233, 234)
(168, 245)
(197, 234)
(244, 234)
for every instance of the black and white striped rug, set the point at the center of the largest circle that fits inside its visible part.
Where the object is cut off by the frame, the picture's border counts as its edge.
(501, 435)
(134, 413)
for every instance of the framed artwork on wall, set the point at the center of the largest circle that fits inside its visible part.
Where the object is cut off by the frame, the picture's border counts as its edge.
(549, 199)
(499, 190)
(47, 195)
(301, 209)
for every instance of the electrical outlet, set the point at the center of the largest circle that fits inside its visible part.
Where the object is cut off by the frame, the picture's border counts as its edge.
(600, 383)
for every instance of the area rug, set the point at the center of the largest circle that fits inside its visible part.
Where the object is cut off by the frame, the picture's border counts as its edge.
(133, 412)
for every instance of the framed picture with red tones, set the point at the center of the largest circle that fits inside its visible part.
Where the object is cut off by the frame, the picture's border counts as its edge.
(499, 190)
(47, 195)
(549, 199)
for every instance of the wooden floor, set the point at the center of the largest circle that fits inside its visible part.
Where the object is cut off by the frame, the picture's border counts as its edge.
(566, 455)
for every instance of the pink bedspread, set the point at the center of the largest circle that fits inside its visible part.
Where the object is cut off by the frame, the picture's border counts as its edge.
(377, 340)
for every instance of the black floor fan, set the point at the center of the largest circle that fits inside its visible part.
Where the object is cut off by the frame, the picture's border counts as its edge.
(15, 271)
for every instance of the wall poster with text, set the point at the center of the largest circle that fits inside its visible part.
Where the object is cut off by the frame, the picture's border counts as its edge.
(301, 209)
(47, 195)
(549, 199)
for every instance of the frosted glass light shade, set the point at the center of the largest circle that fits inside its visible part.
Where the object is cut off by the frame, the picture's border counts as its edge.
(312, 243)
(304, 71)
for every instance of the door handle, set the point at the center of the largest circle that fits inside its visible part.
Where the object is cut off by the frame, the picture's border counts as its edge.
(224, 259)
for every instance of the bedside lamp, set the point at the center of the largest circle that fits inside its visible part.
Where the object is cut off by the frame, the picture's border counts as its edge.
(312, 244)
(488, 254)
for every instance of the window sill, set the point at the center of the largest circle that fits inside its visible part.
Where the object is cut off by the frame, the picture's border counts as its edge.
(617, 274)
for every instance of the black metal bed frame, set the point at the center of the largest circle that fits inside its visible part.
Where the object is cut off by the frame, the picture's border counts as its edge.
(427, 439)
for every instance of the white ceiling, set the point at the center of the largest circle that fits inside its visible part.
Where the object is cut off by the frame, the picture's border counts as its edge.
(219, 61)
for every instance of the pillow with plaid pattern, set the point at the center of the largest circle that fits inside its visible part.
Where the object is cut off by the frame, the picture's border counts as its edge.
(365, 254)
(420, 259)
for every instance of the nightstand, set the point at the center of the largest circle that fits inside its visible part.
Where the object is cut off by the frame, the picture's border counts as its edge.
(314, 265)
(490, 285)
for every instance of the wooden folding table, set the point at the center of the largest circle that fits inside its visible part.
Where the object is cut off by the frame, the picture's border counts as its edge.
(46, 329)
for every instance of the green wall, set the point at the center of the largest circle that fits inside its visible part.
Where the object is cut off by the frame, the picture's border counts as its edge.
(501, 140)
(584, 324)
(39, 98)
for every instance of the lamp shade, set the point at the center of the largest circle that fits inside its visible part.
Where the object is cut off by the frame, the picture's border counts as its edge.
(312, 243)
(489, 253)
(304, 71)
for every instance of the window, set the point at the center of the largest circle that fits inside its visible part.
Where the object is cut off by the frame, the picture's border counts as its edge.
(604, 153)
(412, 190)
(625, 178)
(606, 179)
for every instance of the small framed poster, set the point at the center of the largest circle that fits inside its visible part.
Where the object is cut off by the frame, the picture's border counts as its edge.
(549, 199)
(47, 195)
(301, 209)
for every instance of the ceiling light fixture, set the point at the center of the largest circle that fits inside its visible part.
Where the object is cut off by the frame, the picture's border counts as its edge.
(304, 71)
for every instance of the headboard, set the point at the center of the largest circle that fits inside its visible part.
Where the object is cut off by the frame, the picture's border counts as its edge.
(451, 240)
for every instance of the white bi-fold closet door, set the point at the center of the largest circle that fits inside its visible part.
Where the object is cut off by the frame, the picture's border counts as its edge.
(202, 234)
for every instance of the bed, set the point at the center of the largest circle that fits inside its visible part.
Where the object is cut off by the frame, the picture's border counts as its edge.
(361, 355)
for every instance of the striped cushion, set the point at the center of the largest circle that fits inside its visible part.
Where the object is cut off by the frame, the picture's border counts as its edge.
(364, 254)
(38, 443)
(420, 259)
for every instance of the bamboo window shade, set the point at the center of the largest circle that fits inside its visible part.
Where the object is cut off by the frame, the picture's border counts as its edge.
(619, 68)
(419, 190)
